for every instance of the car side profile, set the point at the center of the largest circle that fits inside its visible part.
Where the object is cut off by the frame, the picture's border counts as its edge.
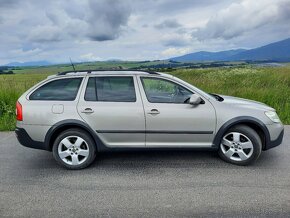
(80, 113)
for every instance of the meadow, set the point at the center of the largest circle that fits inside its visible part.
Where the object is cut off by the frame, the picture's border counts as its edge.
(270, 85)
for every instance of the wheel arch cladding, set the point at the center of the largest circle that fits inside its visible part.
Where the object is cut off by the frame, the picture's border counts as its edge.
(252, 122)
(61, 126)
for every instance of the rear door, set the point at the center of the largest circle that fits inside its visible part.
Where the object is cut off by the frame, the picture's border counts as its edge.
(170, 120)
(112, 106)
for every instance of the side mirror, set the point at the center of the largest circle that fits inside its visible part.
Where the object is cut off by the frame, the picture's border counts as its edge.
(195, 99)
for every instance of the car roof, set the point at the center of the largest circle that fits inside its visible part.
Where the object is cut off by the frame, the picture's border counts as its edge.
(107, 72)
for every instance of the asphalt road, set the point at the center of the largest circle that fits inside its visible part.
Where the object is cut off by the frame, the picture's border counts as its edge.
(143, 184)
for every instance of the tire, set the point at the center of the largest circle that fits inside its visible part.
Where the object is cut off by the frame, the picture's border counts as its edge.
(74, 149)
(240, 145)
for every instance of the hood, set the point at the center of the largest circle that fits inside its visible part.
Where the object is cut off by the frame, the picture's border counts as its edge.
(246, 103)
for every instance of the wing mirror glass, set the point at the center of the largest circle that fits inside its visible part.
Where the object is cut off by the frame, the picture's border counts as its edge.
(195, 99)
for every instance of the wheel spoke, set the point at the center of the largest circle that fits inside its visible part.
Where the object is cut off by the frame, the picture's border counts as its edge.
(78, 142)
(66, 143)
(236, 137)
(83, 152)
(246, 145)
(226, 142)
(242, 155)
(63, 154)
(75, 160)
(229, 153)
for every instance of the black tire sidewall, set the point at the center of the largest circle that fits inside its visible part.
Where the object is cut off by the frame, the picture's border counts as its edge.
(255, 139)
(83, 135)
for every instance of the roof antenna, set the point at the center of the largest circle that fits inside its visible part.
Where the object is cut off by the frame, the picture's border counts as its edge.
(72, 64)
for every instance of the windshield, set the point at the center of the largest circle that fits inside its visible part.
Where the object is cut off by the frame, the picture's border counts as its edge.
(205, 94)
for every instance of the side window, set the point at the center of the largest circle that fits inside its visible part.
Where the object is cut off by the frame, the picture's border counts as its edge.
(91, 94)
(111, 89)
(58, 90)
(164, 91)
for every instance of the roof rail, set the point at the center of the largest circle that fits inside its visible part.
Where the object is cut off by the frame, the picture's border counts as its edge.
(99, 70)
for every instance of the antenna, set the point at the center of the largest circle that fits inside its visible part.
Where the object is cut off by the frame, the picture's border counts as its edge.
(72, 64)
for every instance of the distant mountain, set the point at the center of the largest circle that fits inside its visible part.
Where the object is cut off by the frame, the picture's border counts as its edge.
(26, 64)
(208, 56)
(278, 51)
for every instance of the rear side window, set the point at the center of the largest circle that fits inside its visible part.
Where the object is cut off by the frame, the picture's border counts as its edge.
(111, 89)
(58, 90)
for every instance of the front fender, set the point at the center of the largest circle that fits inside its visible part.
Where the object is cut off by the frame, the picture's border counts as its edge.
(240, 120)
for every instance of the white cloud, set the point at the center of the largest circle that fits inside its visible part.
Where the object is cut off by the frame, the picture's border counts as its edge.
(179, 39)
(22, 52)
(45, 34)
(246, 16)
(174, 51)
(104, 29)
(168, 23)
(90, 57)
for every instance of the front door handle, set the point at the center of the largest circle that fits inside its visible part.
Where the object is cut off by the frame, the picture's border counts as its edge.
(87, 111)
(154, 111)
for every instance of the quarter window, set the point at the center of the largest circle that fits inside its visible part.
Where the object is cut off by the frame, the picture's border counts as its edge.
(111, 89)
(164, 91)
(58, 90)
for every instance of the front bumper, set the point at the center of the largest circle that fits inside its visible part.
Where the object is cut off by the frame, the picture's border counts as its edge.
(276, 133)
(25, 140)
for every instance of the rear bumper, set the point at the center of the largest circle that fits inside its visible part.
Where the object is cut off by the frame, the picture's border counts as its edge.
(25, 140)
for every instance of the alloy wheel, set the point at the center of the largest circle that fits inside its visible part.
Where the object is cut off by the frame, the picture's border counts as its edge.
(73, 150)
(237, 146)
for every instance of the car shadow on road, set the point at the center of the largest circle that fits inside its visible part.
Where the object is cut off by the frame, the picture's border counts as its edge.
(155, 159)
(174, 158)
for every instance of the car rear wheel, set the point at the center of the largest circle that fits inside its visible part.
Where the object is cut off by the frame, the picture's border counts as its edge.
(240, 145)
(74, 149)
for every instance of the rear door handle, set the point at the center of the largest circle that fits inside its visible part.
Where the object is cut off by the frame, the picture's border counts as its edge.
(87, 111)
(154, 111)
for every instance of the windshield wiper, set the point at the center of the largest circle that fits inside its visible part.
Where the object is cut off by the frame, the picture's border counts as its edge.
(217, 97)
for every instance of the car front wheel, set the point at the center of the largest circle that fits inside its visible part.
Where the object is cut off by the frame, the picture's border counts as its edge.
(240, 145)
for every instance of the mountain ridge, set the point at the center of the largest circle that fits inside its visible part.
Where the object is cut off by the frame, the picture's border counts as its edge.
(27, 64)
(276, 51)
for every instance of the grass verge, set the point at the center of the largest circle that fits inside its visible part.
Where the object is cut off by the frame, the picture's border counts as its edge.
(270, 85)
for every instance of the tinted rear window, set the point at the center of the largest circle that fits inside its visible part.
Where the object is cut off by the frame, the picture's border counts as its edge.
(58, 90)
(112, 89)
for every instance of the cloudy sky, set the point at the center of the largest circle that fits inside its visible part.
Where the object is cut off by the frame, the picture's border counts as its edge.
(91, 30)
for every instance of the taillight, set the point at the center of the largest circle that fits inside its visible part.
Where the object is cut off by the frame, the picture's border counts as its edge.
(19, 114)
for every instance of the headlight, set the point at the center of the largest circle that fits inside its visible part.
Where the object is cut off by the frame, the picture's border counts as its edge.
(273, 116)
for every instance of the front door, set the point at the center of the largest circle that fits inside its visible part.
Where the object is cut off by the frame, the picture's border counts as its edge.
(170, 120)
(112, 106)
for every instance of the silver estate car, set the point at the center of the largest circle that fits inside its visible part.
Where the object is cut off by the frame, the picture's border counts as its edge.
(78, 114)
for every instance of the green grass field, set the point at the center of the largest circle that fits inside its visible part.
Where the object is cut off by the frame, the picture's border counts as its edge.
(270, 85)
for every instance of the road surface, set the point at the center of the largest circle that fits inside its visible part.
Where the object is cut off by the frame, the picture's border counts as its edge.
(143, 184)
